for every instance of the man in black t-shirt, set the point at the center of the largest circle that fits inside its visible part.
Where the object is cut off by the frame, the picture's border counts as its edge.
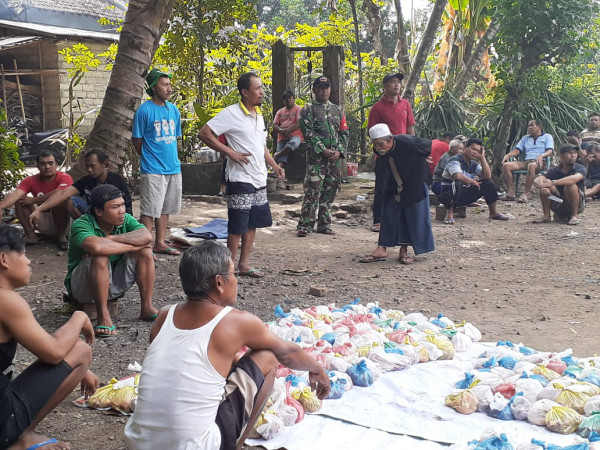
(77, 196)
(562, 188)
(592, 165)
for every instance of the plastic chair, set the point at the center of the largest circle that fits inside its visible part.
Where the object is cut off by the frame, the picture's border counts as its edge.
(517, 173)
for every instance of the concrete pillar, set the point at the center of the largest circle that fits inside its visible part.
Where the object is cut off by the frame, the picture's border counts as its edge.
(333, 67)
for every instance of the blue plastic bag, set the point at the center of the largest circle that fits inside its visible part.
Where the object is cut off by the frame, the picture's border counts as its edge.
(495, 443)
(490, 362)
(296, 380)
(505, 343)
(527, 351)
(337, 386)
(508, 362)
(398, 351)
(279, 312)
(329, 337)
(360, 374)
(465, 382)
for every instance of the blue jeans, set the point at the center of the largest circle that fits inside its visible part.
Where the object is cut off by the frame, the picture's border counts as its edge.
(292, 143)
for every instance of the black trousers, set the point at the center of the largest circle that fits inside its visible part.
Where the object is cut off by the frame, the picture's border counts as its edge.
(459, 194)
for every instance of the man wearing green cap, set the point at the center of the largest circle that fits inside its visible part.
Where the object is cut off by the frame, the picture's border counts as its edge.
(156, 127)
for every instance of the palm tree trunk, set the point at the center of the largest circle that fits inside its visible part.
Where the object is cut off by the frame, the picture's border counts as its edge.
(503, 132)
(425, 45)
(361, 100)
(401, 52)
(372, 11)
(145, 22)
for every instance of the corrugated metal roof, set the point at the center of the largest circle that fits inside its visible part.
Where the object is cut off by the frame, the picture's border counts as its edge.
(94, 8)
(58, 32)
(16, 41)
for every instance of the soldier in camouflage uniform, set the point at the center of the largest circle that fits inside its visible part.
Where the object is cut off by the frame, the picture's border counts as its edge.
(326, 134)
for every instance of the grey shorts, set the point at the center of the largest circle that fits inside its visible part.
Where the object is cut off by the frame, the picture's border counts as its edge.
(122, 277)
(563, 210)
(160, 194)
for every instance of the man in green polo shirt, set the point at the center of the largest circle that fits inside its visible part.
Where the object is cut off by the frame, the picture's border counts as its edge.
(109, 250)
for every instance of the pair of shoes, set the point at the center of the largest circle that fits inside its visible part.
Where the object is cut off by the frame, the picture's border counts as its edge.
(63, 245)
(328, 231)
(252, 273)
(103, 331)
(541, 220)
(168, 251)
(376, 227)
(499, 217)
(449, 221)
(372, 258)
(406, 260)
(152, 318)
(573, 221)
(302, 233)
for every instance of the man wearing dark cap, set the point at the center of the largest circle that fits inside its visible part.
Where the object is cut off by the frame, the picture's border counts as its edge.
(324, 128)
(562, 188)
(397, 114)
(156, 127)
(287, 126)
(108, 251)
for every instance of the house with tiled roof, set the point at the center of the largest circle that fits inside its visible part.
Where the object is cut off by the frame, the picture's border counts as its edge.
(33, 76)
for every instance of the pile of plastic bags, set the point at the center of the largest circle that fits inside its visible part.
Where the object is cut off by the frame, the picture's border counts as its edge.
(494, 441)
(355, 344)
(513, 382)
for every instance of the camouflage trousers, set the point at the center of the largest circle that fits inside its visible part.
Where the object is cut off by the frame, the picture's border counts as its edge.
(321, 184)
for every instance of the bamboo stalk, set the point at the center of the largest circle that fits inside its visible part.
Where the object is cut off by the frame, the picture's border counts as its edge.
(21, 100)
(4, 92)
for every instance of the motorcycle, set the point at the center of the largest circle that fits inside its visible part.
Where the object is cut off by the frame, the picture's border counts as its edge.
(32, 144)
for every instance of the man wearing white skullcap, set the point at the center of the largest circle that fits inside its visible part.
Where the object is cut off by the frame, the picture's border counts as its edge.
(405, 217)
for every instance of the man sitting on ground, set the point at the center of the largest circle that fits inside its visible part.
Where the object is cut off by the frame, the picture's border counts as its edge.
(465, 181)
(592, 165)
(537, 145)
(63, 359)
(96, 164)
(199, 396)
(41, 186)
(565, 181)
(456, 146)
(109, 251)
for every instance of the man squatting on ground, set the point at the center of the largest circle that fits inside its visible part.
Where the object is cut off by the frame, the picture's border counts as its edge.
(109, 251)
(325, 131)
(246, 172)
(63, 359)
(201, 396)
(565, 181)
(42, 186)
(156, 127)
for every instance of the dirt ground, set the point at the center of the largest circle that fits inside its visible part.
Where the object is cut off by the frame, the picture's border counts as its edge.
(518, 281)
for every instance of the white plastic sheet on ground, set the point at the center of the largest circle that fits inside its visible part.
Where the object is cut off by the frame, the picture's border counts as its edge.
(404, 408)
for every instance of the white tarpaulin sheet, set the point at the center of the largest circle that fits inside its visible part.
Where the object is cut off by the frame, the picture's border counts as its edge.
(401, 406)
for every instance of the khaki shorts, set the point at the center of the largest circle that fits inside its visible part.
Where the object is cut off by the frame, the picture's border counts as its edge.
(46, 224)
(160, 194)
(121, 278)
(524, 164)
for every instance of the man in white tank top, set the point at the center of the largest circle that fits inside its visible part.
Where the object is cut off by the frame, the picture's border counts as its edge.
(193, 394)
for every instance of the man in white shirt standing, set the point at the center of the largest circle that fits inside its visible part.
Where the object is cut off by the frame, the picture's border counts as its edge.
(246, 172)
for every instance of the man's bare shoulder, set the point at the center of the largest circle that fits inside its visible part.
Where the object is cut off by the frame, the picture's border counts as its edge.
(11, 305)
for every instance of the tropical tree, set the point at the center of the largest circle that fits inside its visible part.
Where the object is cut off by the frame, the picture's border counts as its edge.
(145, 22)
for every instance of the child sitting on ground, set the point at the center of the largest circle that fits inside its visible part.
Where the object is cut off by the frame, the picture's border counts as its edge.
(63, 358)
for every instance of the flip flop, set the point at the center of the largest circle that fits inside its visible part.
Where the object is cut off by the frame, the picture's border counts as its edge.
(508, 198)
(573, 222)
(371, 258)
(152, 318)
(406, 260)
(522, 200)
(499, 217)
(41, 444)
(541, 220)
(167, 251)
(252, 273)
(104, 334)
(376, 227)
(449, 221)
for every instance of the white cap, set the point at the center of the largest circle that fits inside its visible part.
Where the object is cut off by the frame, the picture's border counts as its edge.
(378, 131)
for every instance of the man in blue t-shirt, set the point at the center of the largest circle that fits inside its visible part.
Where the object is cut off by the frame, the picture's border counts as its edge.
(537, 145)
(562, 188)
(156, 127)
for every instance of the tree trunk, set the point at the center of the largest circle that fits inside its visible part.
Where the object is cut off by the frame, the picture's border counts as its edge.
(145, 22)
(503, 131)
(401, 53)
(372, 12)
(425, 45)
(474, 60)
(361, 99)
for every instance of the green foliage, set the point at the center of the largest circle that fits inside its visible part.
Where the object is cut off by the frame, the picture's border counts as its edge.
(444, 113)
(79, 59)
(11, 167)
